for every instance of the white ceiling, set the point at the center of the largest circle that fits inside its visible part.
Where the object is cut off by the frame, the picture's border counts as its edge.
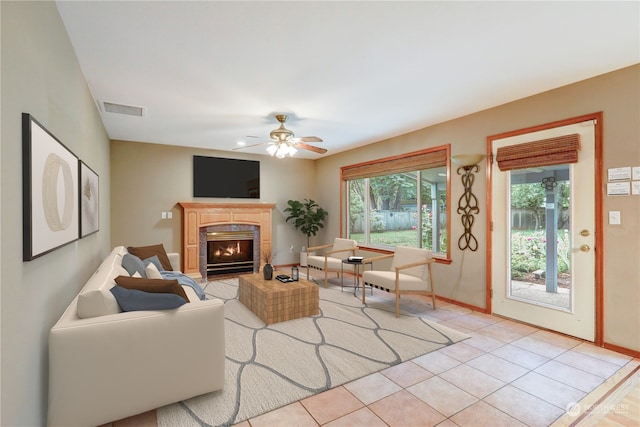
(209, 73)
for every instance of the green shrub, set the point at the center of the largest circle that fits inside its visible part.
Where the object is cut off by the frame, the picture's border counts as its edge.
(528, 252)
(376, 223)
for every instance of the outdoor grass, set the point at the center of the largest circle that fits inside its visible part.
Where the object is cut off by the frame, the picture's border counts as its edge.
(391, 238)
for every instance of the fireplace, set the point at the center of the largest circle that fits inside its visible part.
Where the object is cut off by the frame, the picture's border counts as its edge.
(229, 252)
(200, 218)
(229, 249)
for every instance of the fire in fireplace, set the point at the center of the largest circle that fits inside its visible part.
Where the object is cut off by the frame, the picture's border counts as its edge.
(229, 252)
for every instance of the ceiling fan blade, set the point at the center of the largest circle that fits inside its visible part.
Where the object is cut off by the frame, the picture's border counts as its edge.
(308, 139)
(241, 147)
(310, 148)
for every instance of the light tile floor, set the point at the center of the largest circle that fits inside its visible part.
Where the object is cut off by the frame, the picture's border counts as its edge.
(505, 374)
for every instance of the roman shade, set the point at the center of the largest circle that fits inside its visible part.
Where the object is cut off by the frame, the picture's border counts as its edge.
(397, 164)
(545, 152)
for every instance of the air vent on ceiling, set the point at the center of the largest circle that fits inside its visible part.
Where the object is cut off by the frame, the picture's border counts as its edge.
(129, 110)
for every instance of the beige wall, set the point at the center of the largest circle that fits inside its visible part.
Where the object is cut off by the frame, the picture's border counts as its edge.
(41, 76)
(617, 96)
(148, 179)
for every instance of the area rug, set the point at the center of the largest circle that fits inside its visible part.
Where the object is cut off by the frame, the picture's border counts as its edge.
(269, 366)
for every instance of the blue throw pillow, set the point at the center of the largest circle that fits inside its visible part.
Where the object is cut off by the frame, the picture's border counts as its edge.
(155, 261)
(132, 263)
(134, 300)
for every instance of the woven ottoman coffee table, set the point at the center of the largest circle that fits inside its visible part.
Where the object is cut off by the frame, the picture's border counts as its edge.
(273, 301)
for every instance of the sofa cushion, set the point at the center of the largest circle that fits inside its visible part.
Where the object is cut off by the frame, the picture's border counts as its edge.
(153, 260)
(106, 272)
(133, 264)
(97, 302)
(144, 252)
(135, 300)
(152, 285)
(152, 272)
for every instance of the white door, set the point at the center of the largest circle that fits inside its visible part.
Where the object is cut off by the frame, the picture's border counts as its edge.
(524, 221)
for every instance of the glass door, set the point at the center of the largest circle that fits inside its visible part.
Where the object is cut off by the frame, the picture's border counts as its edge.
(543, 263)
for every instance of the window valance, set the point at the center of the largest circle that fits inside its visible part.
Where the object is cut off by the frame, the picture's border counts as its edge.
(404, 163)
(545, 152)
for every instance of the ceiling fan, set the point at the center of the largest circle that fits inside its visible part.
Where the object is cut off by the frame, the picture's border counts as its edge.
(282, 141)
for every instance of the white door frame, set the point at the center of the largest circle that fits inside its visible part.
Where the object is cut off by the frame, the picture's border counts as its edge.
(598, 198)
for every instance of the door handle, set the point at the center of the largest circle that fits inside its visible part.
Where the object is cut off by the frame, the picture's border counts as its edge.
(585, 248)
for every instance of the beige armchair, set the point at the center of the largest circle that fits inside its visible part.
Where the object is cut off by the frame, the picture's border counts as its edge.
(330, 260)
(410, 273)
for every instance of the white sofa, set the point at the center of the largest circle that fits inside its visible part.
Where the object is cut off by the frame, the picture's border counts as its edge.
(118, 364)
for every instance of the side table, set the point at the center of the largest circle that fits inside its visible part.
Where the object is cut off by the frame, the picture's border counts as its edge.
(356, 273)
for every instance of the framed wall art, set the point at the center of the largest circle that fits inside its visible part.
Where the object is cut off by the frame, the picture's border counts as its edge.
(49, 191)
(89, 200)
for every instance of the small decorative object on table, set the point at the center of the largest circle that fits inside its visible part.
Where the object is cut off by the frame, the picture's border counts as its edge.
(355, 259)
(267, 270)
(294, 273)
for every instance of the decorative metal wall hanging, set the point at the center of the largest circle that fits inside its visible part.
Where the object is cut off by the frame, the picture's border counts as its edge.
(468, 202)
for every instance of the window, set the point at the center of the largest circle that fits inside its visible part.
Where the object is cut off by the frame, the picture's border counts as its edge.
(400, 201)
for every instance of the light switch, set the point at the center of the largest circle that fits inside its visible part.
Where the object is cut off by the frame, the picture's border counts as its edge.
(164, 215)
(169, 215)
(614, 217)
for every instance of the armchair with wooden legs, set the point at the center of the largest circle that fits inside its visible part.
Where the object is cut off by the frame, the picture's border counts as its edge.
(410, 273)
(331, 256)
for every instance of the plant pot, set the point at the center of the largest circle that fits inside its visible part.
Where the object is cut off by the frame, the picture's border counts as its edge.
(267, 271)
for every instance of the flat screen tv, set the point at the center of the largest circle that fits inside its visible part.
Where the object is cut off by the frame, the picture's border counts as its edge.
(228, 178)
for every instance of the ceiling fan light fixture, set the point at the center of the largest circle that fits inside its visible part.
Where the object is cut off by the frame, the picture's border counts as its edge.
(281, 134)
(282, 142)
(281, 150)
(271, 149)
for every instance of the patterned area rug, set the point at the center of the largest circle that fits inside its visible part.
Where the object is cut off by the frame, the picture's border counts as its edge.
(271, 366)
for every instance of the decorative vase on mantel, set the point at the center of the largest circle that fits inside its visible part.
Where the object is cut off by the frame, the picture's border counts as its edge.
(267, 270)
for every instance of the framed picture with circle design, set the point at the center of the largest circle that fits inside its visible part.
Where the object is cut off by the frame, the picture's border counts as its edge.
(50, 202)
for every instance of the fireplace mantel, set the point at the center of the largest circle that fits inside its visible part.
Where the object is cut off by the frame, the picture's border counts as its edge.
(198, 215)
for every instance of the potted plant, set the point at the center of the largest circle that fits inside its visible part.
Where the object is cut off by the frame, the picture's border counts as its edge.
(308, 217)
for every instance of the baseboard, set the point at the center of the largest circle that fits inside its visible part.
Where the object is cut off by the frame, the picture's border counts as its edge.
(462, 304)
(623, 350)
